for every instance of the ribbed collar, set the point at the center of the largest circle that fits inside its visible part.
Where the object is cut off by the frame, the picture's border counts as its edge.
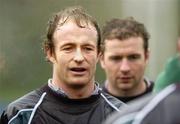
(60, 91)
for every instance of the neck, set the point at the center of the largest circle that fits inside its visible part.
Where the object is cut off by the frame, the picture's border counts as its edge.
(128, 92)
(75, 91)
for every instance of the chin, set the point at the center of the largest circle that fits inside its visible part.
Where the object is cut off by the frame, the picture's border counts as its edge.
(125, 88)
(78, 82)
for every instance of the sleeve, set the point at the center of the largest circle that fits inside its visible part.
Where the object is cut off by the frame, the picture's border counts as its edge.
(170, 75)
(3, 118)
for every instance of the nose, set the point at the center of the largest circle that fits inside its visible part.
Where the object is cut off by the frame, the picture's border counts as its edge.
(78, 56)
(124, 67)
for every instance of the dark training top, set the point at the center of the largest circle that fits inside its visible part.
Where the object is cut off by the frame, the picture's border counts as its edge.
(45, 106)
(163, 108)
(149, 88)
(155, 108)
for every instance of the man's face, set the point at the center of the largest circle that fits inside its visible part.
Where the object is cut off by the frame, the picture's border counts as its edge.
(75, 55)
(124, 63)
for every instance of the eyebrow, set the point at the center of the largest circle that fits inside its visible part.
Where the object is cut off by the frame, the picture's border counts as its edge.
(115, 57)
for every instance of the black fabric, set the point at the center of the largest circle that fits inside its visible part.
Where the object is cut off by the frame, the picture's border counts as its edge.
(167, 111)
(69, 111)
(130, 98)
(57, 109)
(133, 108)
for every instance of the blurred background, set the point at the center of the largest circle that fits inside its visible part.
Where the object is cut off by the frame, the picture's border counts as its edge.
(23, 25)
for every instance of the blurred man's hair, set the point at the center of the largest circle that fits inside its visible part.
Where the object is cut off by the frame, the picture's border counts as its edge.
(123, 29)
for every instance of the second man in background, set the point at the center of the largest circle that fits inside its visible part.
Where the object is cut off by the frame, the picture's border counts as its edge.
(125, 55)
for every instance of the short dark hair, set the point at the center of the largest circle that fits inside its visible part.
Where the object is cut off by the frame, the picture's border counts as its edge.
(76, 13)
(123, 29)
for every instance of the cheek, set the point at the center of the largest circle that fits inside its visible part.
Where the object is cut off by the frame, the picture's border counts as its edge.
(139, 68)
(62, 62)
(109, 63)
(109, 66)
(92, 58)
(62, 57)
(92, 65)
(111, 70)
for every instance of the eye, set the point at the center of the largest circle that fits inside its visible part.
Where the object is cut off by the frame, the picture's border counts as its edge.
(67, 48)
(115, 58)
(88, 48)
(134, 57)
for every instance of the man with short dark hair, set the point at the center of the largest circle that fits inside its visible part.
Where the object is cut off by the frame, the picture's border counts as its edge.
(125, 54)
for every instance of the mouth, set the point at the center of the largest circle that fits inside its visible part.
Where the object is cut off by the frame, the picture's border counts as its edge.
(126, 79)
(78, 70)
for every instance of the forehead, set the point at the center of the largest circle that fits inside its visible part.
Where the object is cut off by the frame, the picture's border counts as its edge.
(71, 31)
(71, 26)
(131, 45)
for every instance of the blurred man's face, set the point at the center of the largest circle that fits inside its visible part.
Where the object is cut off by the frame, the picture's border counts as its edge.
(124, 63)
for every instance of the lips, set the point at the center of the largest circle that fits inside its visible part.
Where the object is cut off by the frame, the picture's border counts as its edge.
(78, 70)
(125, 79)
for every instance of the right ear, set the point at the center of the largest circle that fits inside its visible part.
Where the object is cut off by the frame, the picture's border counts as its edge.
(50, 56)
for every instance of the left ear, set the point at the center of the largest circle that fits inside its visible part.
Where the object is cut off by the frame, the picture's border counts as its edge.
(98, 57)
(101, 59)
(147, 54)
(50, 56)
